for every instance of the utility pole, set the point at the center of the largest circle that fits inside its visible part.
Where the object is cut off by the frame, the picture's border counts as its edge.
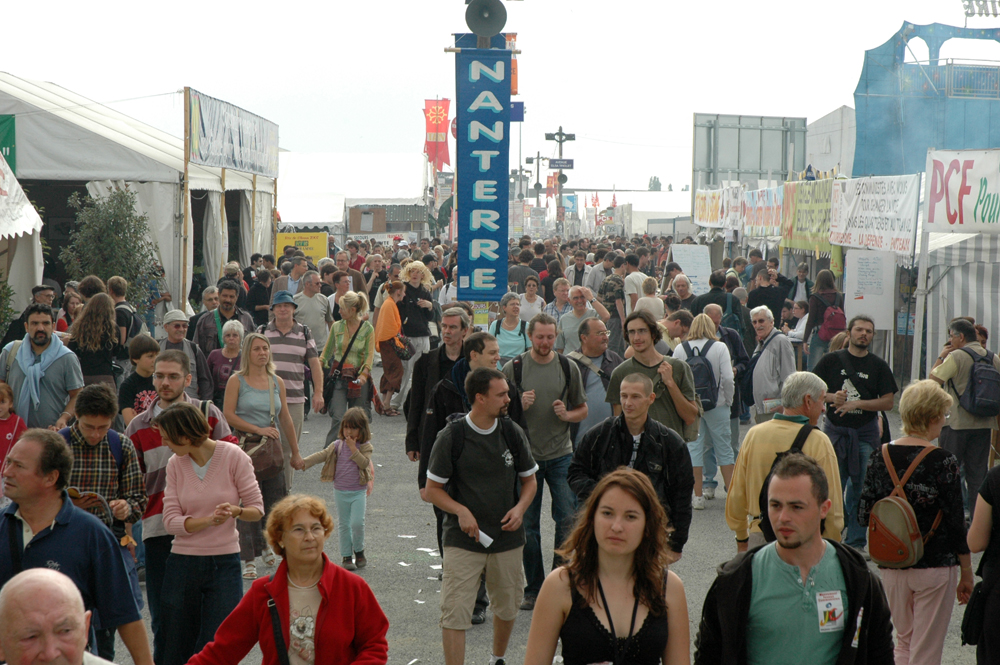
(537, 161)
(560, 137)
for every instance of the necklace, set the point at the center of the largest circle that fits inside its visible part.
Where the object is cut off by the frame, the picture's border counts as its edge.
(305, 586)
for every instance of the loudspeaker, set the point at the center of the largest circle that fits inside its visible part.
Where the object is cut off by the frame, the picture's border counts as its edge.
(486, 18)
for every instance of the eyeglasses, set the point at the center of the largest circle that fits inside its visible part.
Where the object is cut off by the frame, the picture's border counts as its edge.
(603, 333)
(638, 331)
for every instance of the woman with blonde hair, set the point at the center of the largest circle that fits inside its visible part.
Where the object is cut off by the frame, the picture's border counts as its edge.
(326, 614)
(350, 373)
(416, 311)
(649, 301)
(253, 393)
(615, 593)
(703, 343)
(387, 327)
(94, 338)
(922, 596)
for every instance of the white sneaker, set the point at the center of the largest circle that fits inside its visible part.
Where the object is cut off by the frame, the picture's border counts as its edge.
(708, 493)
(698, 503)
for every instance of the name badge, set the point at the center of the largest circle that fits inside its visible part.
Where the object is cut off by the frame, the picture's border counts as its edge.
(830, 607)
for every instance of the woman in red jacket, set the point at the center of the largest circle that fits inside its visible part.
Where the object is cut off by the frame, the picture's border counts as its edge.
(327, 614)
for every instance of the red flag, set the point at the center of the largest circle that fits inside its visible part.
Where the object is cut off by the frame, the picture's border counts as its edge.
(614, 202)
(436, 143)
(597, 200)
(550, 186)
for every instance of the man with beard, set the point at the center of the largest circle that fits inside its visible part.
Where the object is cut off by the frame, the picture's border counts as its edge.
(208, 336)
(483, 530)
(171, 375)
(816, 590)
(551, 397)
(859, 384)
(44, 375)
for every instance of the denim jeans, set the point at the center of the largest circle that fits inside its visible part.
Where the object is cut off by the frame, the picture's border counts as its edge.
(817, 349)
(350, 520)
(157, 551)
(710, 467)
(140, 547)
(199, 592)
(857, 535)
(563, 511)
(340, 403)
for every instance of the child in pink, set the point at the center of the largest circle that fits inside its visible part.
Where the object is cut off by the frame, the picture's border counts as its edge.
(11, 428)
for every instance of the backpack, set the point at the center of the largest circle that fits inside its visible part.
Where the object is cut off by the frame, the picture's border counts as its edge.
(894, 539)
(762, 500)
(523, 333)
(704, 375)
(514, 409)
(731, 318)
(834, 319)
(138, 326)
(982, 394)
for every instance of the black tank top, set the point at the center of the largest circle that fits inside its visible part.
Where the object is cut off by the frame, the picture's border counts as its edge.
(585, 640)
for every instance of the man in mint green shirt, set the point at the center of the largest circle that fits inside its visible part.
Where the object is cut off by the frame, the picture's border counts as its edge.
(800, 599)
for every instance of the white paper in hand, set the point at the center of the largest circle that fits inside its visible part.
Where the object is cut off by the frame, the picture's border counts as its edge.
(484, 540)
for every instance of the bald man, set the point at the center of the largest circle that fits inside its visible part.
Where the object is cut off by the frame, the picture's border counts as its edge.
(42, 620)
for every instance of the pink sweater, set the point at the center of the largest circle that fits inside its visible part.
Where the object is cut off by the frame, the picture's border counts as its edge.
(230, 479)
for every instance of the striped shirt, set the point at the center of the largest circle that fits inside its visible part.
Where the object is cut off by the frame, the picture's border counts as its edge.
(291, 353)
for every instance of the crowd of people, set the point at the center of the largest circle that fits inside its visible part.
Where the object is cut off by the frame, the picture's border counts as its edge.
(165, 448)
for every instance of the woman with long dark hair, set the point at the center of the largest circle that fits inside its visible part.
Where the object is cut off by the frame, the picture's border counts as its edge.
(95, 339)
(72, 306)
(825, 294)
(614, 600)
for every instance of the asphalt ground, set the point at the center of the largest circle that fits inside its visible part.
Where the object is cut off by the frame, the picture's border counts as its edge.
(403, 575)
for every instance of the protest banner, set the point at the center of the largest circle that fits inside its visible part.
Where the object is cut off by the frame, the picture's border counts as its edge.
(719, 208)
(963, 191)
(875, 213)
(762, 212)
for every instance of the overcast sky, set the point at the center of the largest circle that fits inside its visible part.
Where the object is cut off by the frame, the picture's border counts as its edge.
(347, 77)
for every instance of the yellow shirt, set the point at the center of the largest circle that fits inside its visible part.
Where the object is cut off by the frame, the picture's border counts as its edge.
(754, 462)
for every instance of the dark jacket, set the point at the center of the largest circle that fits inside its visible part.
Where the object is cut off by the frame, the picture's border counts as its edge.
(715, 295)
(663, 457)
(426, 374)
(795, 287)
(444, 401)
(740, 358)
(722, 635)
(771, 296)
(414, 317)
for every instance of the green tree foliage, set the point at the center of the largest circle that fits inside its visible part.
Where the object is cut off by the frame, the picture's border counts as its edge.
(7, 313)
(110, 238)
(654, 184)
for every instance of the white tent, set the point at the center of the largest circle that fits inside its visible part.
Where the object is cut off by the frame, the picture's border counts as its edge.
(20, 244)
(64, 136)
(963, 280)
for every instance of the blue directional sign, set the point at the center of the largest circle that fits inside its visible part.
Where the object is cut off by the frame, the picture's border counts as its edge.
(564, 164)
(483, 155)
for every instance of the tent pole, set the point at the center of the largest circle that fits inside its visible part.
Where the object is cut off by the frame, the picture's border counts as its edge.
(222, 218)
(921, 294)
(187, 206)
(253, 211)
(274, 219)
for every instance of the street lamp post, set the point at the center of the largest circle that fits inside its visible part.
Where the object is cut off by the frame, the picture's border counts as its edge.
(560, 137)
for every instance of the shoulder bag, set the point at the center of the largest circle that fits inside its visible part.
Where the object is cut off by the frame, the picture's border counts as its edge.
(337, 371)
(264, 451)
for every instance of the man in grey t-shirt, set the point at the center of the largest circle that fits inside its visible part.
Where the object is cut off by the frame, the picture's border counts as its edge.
(41, 360)
(550, 404)
(483, 531)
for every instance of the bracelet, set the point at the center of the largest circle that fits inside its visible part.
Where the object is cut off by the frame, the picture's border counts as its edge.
(747, 539)
(66, 413)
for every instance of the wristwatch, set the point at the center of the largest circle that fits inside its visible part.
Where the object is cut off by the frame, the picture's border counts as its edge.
(591, 301)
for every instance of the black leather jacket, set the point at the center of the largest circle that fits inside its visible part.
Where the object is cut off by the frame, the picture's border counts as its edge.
(663, 457)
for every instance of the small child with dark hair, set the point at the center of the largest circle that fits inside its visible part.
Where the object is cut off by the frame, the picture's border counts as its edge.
(348, 463)
(137, 392)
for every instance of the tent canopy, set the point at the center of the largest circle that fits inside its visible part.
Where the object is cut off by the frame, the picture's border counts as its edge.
(64, 136)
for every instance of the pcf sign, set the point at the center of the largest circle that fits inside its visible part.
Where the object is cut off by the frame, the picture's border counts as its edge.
(483, 115)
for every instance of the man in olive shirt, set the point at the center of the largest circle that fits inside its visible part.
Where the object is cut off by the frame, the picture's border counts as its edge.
(676, 404)
(549, 403)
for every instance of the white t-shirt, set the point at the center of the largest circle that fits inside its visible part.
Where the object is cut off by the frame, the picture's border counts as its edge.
(722, 366)
(633, 284)
(528, 309)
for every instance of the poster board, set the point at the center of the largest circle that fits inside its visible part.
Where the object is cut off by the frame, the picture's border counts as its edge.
(870, 286)
(696, 262)
(313, 245)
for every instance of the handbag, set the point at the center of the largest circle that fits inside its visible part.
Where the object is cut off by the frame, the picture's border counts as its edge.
(975, 612)
(404, 347)
(264, 451)
(338, 372)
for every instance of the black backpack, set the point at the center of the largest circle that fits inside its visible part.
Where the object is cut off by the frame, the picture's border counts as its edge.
(765, 520)
(731, 318)
(507, 434)
(138, 326)
(523, 333)
(705, 384)
(982, 394)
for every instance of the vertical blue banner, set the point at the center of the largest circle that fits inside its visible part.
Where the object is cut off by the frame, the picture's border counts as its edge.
(483, 154)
